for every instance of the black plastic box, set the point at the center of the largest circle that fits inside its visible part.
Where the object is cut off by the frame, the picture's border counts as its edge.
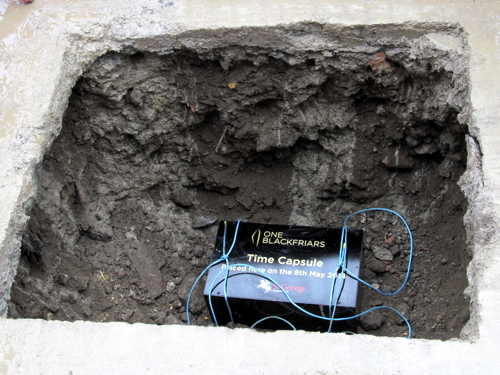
(303, 260)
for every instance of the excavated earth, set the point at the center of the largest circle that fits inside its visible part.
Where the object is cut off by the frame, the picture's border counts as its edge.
(155, 149)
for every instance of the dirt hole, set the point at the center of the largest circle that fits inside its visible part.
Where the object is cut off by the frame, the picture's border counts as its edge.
(155, 148)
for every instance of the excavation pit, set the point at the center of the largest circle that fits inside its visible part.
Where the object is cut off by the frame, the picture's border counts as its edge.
(155, 147)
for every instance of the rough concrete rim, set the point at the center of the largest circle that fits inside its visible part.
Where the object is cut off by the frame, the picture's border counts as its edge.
(60, 39)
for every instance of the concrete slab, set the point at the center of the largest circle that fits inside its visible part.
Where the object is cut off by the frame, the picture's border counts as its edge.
(45, 46)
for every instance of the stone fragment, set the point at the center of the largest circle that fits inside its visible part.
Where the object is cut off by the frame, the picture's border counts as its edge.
(404, 310)
(62, 279)
(161, 316)
(170, 286)
(445, 169)
(147, 268)
(395, 250)
(126, 315)
(372, 321)
(79, 282)
(375, 265)
(203, 221)
(96, 223)
(382, 253)
(182, 196)
(426, 149)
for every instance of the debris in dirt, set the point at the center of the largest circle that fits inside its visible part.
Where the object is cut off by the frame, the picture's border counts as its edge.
(379, 62)
(372, 321)
(231, 85)
(146, 266)
(396, 159)
(426, 148)
(203, 221)
(390, 240)
(222, 137)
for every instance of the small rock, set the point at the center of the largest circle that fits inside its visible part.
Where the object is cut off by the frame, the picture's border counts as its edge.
(403, 309)
(182, 196)
(120, 272)
(63, 279)
(161, 316)
(170, 286)
(268, 201)
(444, 261)
(375, 265)
(105, 305)
(445, 169)
(381, 253)
(203, 221)
(426, 149)
(79, 283)
(126, 315)
(395, 250)
(68, 296)
(372, 321)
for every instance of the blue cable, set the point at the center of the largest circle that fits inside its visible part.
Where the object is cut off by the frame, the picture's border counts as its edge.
(261, 274)
(341, 271)
(410, 256)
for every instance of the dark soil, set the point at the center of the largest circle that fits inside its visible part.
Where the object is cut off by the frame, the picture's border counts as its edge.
(154, 149)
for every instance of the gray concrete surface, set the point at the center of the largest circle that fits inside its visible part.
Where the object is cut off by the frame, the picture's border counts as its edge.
(45, 46)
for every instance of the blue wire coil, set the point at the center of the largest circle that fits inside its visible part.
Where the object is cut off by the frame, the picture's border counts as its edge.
(341, 271)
